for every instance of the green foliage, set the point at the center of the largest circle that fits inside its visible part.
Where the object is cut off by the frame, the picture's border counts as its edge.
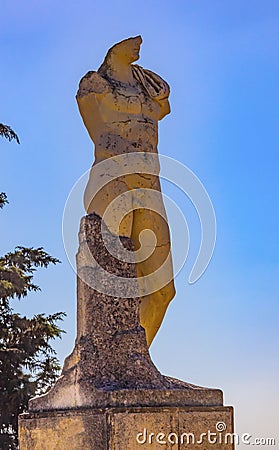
(8, 133)
(16, 271)
(3, 199)
(28, 363)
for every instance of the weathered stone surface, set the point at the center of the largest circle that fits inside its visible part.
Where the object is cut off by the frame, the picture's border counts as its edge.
(128, 429)
(110, 364)
(121, 105)
(110, 393)
(69, 430)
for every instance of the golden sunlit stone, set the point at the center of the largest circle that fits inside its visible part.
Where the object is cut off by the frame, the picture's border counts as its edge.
(193, 428)
(121, 105)
(110, 395)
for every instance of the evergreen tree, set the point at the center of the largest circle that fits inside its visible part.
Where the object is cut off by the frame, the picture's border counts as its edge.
(28, 363)
(8, 133)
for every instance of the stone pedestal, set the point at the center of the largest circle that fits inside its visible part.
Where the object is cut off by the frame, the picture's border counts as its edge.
(194, 428)
(109, 390)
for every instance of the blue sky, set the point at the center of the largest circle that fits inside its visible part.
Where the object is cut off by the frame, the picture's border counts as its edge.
(221, 61)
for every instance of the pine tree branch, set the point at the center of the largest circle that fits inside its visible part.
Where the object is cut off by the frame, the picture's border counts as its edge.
(3, 199)
(8, 133)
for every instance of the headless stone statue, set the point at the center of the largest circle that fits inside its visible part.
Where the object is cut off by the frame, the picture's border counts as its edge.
(109, 389)
(121, 105)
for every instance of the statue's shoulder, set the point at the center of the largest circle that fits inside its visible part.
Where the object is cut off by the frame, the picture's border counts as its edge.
(92, 82)
(157, 88)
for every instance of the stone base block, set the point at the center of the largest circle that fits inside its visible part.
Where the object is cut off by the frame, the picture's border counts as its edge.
(149, 428)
